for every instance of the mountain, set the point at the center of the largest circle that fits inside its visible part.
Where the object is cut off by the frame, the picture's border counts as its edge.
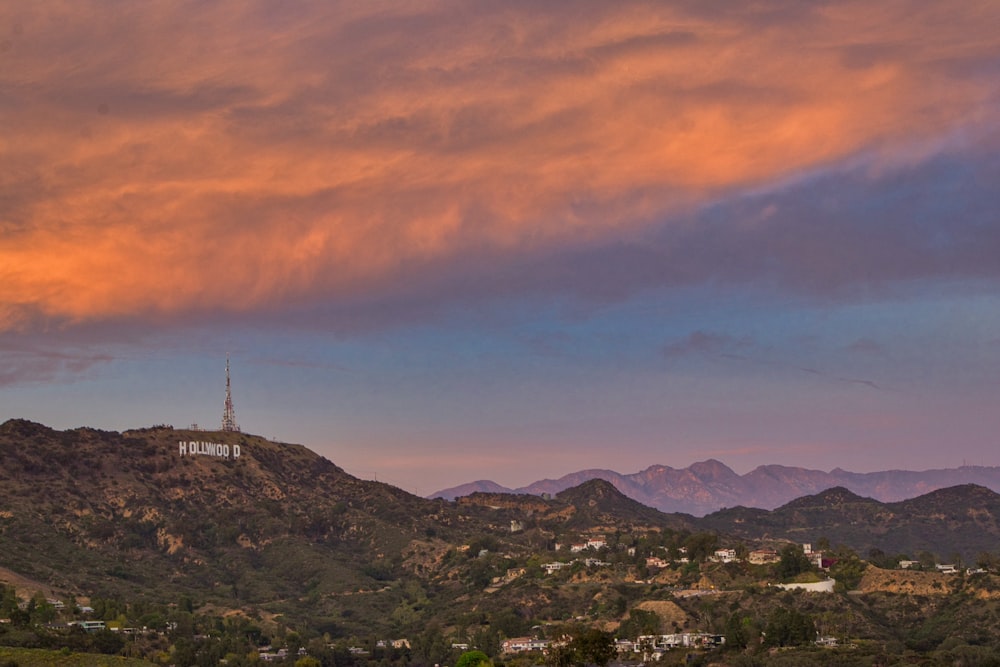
(598, 503)
(245, 525)
(961, 520)
(708, 486)
(236, 520)
(593, 506)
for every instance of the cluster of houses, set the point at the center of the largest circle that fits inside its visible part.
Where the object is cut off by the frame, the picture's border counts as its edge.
(595, 543)
(755, 557)
(651, 647)
(267, 654)
(941, 567)
(726, 555)
(555, 566)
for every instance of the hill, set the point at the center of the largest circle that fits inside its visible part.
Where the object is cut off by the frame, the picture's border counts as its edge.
(277, 527)
(161, 514)
(708, 486)
(960, 520)
(236, 535)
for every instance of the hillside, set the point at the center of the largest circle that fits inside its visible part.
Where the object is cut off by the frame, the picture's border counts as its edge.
(279, 526)
(154, 527)
(960, 520)
(275, 530)
(708, 486)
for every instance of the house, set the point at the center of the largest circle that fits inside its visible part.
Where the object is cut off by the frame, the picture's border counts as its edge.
(725, 555)
(625, 646)
(763, 556)
(678, 640)
(597, 543)
(522, 644)
(655, 561)
(90, 626)
(554, 566)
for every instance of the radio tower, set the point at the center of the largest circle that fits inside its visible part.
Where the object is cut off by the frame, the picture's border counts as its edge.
(229, 415)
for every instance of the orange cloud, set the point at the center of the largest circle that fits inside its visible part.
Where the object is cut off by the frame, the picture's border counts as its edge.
(233, 156)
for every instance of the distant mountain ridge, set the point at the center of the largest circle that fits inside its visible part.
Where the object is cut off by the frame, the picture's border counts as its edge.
(708, 486)
(958, 522)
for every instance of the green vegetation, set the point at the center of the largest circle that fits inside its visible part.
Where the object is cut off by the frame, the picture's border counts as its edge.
(34, 657)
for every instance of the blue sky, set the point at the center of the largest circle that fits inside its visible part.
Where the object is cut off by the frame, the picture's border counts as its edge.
(452, 242)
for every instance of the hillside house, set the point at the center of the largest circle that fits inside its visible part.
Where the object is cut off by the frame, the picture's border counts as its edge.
(763, 556)
(90, 626)
(597, 543)
(724, 556)
(523, 644)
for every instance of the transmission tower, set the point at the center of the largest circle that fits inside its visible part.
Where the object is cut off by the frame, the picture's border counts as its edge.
(229, 415)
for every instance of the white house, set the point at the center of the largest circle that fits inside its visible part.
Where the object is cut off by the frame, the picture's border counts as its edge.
(522, 644)
(725, 555)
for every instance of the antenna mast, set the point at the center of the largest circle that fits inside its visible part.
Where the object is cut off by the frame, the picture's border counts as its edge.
(229, 415)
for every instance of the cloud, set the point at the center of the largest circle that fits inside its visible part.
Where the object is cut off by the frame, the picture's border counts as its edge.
(20, 364)
(866, 347)
(746, 351)
(233, 159)
(707, 343)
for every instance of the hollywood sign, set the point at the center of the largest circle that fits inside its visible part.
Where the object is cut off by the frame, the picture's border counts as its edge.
(209, 449)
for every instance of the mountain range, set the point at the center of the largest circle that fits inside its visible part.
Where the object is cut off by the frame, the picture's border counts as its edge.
(262, 530)
(708, 486)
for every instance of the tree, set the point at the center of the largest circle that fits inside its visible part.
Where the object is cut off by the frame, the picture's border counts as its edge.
(473, 659)
(848, 570)
(793, 562)
(701, 545)
(108, 642)
(741, 632)
(560, 655)
(594, 647)
(430, 647)
(640, 622)
(8, 599)
(789, 627)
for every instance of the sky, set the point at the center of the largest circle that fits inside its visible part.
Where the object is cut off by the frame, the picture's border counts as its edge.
(460, 240)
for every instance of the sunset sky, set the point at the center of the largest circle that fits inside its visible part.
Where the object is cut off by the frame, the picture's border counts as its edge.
(448, 241)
